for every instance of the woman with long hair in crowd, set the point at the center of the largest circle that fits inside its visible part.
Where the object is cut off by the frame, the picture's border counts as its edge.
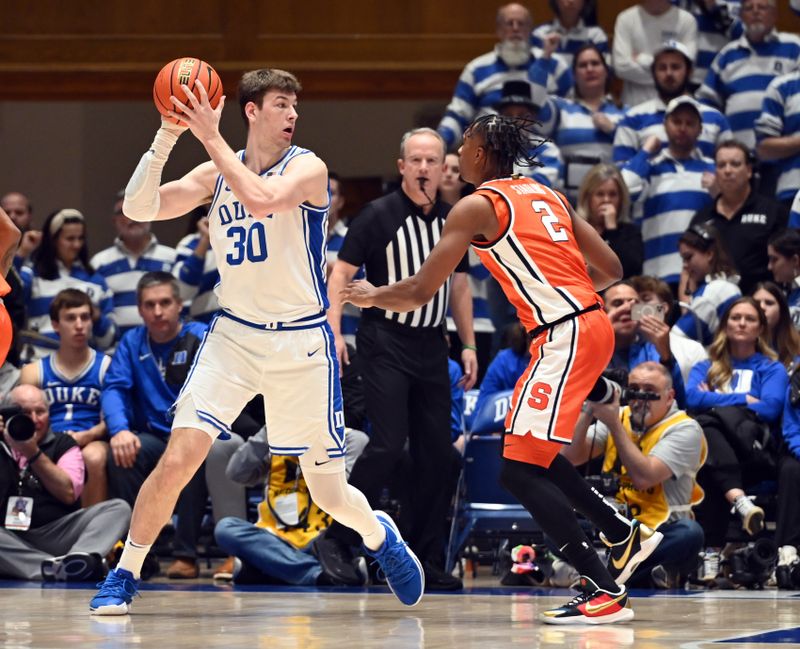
(740, 389)
(62, 261)
(582, 128)
(783, 254)
(712, 282)
(781, 334)
(603, 201)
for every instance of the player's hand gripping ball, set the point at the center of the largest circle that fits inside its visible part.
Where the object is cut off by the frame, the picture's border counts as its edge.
(186, 71)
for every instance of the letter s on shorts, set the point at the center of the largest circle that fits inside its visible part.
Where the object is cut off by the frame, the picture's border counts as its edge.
(540, 396)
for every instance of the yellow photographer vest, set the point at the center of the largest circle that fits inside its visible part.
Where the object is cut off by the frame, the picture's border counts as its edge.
(287, 509)
(649, 506)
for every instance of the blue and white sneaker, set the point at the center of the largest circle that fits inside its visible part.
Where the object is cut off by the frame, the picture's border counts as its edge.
(399, 564)
(115, 594)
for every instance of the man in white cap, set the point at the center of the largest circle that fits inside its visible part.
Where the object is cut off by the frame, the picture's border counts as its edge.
(638, 31)
(670, 184)
(672, 71)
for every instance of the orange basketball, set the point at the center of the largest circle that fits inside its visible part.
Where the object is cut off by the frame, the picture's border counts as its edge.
(184, 71)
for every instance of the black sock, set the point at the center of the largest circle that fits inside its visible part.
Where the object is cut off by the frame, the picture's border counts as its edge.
(588, 501)
(585, 560)
(532, 485)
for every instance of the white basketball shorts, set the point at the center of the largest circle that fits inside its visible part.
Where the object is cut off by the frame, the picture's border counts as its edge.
(297, 372)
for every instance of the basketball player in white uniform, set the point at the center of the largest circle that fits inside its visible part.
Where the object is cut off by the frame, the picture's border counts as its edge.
(268, 224)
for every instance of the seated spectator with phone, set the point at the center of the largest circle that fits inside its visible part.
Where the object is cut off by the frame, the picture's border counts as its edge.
(646, 338)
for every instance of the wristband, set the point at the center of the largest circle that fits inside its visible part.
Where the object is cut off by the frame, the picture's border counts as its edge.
(472, 347)
(34, 457)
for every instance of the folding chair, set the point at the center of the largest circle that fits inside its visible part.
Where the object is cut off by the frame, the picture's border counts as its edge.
(482, 507)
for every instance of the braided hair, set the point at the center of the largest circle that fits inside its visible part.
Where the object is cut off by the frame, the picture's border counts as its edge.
(509, 141)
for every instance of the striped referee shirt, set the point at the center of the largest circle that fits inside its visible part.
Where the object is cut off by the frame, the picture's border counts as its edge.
(391, 238)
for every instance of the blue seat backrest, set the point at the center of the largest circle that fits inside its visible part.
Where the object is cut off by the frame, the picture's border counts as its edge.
(470, 399)
(482, 460)
(492, 415)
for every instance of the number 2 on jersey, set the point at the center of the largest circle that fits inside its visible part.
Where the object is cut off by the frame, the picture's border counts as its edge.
(248, 243)
(550, 221)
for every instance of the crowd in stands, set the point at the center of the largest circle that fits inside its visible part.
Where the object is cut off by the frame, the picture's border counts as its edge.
(691, 175)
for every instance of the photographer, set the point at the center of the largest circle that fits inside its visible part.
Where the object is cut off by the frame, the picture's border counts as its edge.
(654, 450)
(45, 534)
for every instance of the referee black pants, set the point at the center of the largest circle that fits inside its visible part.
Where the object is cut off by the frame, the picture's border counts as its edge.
(407, 393)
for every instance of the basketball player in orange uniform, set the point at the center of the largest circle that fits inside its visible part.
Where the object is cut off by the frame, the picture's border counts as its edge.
(9, 240)
(550, 265)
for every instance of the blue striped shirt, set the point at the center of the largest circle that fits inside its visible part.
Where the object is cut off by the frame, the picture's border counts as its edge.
(39, 293)
(572, 39)
(710, 39)
(647, 118)
(740, 74)
(480, 86)
(197, 278)
(351, 315)
(668, 192)
(794, 213)
(708, 304)
(122, 271)
(780, 116)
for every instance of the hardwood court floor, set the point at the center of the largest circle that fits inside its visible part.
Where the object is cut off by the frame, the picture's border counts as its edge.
(204, 615)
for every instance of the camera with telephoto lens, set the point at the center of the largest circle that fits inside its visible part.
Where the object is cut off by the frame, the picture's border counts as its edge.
(627, 395)
(751, 566)
(20, 427)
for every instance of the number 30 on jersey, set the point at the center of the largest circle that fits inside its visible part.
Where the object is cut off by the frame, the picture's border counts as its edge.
(248, 243)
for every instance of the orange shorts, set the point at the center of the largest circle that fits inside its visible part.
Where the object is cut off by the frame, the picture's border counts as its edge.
(565, 364)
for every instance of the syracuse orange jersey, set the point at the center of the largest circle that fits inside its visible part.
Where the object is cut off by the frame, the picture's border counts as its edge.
(6, 330)
(535, 256)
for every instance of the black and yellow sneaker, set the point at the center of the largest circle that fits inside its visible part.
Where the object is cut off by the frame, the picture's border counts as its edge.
(624, 557)
(593, 606)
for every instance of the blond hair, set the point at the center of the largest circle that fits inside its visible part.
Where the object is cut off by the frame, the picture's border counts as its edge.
(721, 370)
(596, 176)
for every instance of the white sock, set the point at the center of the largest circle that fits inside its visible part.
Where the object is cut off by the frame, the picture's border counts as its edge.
(133, 556)
(374, 540)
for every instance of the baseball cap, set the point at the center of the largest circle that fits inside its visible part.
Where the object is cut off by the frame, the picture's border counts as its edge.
(684, 100)
(672, 45)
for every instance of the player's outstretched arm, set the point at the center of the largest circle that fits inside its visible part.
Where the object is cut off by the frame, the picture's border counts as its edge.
(470, 217)
(604, 266)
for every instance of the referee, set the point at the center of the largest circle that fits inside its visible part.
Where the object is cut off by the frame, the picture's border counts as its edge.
(403, 356)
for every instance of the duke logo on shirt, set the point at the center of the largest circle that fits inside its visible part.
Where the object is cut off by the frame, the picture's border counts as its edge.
(179, 358)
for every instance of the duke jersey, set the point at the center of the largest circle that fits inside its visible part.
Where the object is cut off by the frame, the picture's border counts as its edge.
(535, 257)
(272, 269)
(74, 403)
